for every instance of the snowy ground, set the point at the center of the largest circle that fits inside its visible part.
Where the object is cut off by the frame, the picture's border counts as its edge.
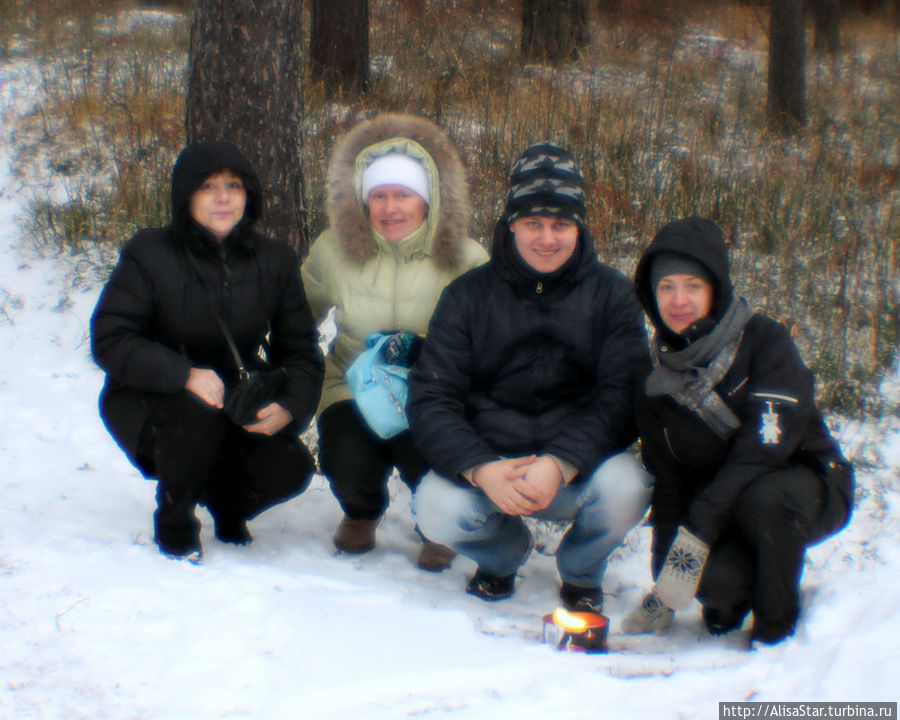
(95, 623)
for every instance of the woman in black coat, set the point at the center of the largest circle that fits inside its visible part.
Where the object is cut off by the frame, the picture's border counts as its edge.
(156, 333)
(746, 473)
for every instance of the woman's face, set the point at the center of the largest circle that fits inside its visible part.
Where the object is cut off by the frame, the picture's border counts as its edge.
(545, 243)
(218, 204)
(395, 211)
(682, 300)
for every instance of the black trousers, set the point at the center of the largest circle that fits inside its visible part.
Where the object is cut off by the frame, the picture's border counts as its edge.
(757, 562)
(198, 456)
(358, 463)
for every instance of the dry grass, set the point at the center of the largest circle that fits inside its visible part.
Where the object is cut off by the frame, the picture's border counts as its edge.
(108, 122)
(665, 111)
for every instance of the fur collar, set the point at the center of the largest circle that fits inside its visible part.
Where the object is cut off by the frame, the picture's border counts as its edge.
(348, 218)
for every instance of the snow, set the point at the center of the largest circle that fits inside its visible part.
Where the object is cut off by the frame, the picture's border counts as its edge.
(95, 623)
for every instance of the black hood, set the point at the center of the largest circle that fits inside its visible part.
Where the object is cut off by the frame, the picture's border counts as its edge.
(700, 240)
(196, 163)
(510, 265)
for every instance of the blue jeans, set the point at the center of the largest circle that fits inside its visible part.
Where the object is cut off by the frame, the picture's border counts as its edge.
(603, 509)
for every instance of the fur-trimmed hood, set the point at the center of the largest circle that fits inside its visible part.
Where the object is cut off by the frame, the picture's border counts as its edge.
(390, 133)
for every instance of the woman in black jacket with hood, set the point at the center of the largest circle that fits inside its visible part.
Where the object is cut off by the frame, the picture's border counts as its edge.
(156, 332)
(746, 473)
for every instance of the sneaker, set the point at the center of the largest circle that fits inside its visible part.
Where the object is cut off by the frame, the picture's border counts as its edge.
(434, 557)
(650, 616)
(581, 599)
(355, 536)
(490, 587)
(233, 530)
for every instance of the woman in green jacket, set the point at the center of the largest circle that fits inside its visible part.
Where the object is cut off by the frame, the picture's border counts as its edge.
(398, 213)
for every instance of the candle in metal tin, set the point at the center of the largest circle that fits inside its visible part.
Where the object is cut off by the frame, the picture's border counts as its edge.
(576, 631)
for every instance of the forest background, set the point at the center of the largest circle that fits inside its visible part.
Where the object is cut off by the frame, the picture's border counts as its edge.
(664, 107)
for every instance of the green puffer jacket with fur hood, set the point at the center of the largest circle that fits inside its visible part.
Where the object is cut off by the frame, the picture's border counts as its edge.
(373, 284)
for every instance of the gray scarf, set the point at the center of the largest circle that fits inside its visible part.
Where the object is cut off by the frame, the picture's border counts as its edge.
(690, 375)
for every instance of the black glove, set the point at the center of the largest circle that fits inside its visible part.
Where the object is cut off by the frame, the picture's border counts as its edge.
(402, 349)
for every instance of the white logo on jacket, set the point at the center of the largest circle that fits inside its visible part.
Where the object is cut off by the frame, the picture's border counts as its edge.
(769, 431)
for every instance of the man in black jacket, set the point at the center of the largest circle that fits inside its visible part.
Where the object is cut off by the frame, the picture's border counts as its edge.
(521, 398)
(168, 365)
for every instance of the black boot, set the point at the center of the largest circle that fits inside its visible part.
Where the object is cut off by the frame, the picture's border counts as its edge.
(581, 599)
(179, 541)
(721, 622)
(176, 528)
(232, 530)
(771, 633)
(490, 587)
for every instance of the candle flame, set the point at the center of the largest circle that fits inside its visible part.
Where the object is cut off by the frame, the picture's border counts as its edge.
(567, 620)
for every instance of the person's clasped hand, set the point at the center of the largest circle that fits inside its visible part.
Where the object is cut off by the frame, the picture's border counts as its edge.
(270, 419)
(497, 479)
(206, 385)
(541, 482)
(519, 486)
(675, 587)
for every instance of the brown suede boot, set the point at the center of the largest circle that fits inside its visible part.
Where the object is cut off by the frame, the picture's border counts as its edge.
(355, 536)
(435, 557)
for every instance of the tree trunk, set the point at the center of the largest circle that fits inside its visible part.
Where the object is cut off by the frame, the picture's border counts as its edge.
(554, 31)
(245, 86)
(786, 108)
(828, 26)
(339, 45)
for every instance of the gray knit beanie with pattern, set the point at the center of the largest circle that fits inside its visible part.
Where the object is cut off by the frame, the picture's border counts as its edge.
(545, 182)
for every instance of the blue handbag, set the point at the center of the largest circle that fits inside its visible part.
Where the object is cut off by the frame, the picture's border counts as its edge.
(379, 388)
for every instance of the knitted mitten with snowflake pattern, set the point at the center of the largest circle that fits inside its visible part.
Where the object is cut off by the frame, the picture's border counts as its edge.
(681, 572)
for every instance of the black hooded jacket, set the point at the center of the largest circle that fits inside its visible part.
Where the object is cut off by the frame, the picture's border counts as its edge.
(155, 317)
(516, 362)
(698, 475)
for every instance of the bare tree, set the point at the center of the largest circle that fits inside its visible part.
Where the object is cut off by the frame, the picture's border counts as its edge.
(786, 107)
(554, 31)
(827, 14)
(339, 45)
(245, 85)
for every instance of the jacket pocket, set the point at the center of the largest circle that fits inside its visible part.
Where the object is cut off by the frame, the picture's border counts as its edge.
(839, 480)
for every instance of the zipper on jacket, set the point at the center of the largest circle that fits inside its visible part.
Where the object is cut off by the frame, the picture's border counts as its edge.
(394, 303)
(733, 391)
(226, 282)
(540, 288)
